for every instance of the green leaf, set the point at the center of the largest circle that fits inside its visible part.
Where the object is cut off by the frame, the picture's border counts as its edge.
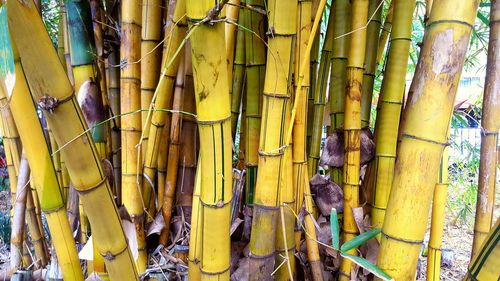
(368, 266)
(334, 226)
(483, 18)
(359, 240)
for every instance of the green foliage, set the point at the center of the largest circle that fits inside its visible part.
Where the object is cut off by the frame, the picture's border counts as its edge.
(354, 243)
(5, 227)
(463, 170)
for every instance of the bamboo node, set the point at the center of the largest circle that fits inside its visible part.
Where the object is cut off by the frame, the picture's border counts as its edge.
(49, 103)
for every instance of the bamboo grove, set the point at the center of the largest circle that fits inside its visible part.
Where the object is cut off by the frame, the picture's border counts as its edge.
(206, 140)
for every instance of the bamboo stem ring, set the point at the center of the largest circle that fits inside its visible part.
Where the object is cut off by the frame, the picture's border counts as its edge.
(92, 188)
(425, 140)
(111, 256)
(54, 210)
(406, 241)
(49, 103)
(215, 273)
(450, 21)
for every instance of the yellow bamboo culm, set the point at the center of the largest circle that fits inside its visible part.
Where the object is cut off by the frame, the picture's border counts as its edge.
(255, 63)
(385, 32)
(342, 27)
(490, 125)
(37, 238)
(194, 271)
(159, 129)
(232, 10)
(150, 59)
(437, 223)
(275, 110)
(372, 39)
(214, 124)
(352, 127)
(76, 145)
(173, 149)
(319, 96)
(484, 266)
(133, 197)
(37, 152)
(423, 139)
(238, 73)
(390, 106)
(12, 148)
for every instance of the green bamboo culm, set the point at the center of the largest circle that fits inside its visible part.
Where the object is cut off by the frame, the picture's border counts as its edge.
(320, 96)
(255, 54)
(81, 41)
(338, 78)
(275, 110)
(372, 39)
(239, 74)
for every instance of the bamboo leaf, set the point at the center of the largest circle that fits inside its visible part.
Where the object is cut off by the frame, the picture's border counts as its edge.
(359, 240)
(334, 226)
(483, 18)
(368, 266)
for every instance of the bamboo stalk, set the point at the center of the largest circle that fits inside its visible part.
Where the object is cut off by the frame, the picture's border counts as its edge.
(101, 77)
(37, 238)
(489, 137)
(437, 222)
(338, 79)
(81, 41)
(320, 95)
(275, 113)
(114, 104)
(238, 74)
(44, 174)
(194, 271)
(352, 127)
(232, 10)
(79, 153)
(67, 52)
(151, 58)
(390, 105)
(12, 146)
(160, 120)
(18, 222)
(313, 256)
(386, 31)
(214, 124)
(314, 71)
(134, 199)
(372, 39)
(189, 144)
(255, 61)
(423, 139)
(173, 148)
(484, 266)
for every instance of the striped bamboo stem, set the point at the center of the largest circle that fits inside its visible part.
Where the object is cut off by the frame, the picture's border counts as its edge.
(212, 92)
(423, 139)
